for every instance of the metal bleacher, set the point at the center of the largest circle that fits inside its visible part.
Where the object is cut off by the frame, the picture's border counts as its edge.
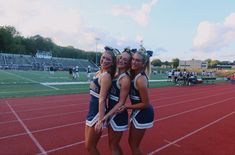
(28, 62)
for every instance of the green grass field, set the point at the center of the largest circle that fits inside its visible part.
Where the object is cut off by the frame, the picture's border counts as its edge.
(32, 83)
(15, 83)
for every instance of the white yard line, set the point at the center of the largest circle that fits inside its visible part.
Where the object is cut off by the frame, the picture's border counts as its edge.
(86, 82)
(50, 86)
(30, 80)
(63, 83)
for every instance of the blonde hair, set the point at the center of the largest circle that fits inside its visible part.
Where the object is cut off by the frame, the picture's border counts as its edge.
(146, 59)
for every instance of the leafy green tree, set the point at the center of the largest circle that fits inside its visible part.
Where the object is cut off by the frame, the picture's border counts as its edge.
(209, 62)
(12, 42)
(167, 63)
(214, 63)
(175, 62)
(7, 36)
(156, 62)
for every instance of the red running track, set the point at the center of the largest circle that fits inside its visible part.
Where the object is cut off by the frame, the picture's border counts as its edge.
(188, 120)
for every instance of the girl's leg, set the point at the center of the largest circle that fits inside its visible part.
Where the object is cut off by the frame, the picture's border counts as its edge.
(135, 137)
(114, 139)
(91, 140)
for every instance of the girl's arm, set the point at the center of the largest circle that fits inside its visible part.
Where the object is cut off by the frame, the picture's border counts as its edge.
(105, 84)
(124, 91)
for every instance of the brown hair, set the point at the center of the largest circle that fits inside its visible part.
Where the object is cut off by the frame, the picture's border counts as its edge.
(113, 53)
(128, 51)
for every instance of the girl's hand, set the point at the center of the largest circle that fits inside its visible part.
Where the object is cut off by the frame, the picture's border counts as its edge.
(122, 108)
(99, 127)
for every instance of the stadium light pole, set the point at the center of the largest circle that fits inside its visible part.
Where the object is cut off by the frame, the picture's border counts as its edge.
(96, 40)
(141, 43)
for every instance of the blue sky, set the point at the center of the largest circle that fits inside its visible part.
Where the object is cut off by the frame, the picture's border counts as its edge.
(184, 29)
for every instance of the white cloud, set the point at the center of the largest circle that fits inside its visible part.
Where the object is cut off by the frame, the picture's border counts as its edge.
(15, 11)
(212, 37)
(122, 40)
(139, 15)
(230, 21)
(63, 25)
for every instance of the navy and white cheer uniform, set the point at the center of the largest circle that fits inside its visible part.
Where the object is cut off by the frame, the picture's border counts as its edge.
(93, 113)
(141, 118)
(119, 121)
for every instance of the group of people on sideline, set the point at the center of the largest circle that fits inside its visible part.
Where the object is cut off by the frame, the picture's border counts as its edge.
(120, 75)
(232, 78)
(185, 77)
(74, 73)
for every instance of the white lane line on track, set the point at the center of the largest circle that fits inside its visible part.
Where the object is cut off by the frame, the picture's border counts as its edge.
(190, 100)
(161, 106)
(27, 130)
(40, 117)
(77, 143)
(157, 120)
(41, 130)
(169, 142)
(60, 106)
(59, 148)
(194, 109)
(55, 115)
(83, 122)
(200, 91)
(41, 101)
(67, 146)
(190, 93)
(191, 133)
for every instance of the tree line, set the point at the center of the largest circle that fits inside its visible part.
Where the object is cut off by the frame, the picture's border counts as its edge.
(175, 63)
(12, 42)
